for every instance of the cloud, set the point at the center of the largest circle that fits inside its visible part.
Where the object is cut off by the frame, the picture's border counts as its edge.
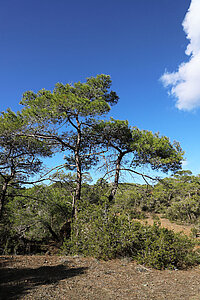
(185, 83)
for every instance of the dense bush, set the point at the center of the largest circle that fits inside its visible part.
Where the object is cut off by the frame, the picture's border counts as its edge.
(162, 248)
(34, 218)
(185, 210)
(104, 235)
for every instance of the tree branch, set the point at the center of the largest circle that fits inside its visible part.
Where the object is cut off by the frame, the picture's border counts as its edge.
(47, 137)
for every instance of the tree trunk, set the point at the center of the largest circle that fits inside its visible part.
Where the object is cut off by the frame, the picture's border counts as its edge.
(117, 173)
(77, 196)
(54, 235)
(3, 197)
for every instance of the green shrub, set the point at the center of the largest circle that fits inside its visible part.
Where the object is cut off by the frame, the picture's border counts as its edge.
(185, 210)
(165, 249)
(104, 235)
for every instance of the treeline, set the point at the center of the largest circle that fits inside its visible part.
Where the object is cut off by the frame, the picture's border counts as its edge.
(176, 197)
(71, 120)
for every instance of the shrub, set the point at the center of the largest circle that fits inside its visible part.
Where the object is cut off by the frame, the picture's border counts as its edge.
(104, 235)
(185, 210)
(165, 249)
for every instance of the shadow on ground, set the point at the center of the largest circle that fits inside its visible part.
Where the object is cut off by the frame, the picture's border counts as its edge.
(15, 282)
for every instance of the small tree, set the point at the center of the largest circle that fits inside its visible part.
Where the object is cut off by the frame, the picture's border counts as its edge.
(62, 116)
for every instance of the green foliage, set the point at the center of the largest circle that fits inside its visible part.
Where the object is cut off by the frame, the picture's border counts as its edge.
(104, 235)
(131, 198)
(62, 118)
(158, 152)
(185, 202)
(20, 158)
(36, 216)
(99, 233)
(177, 197)
(187, 209)
(146, 147)
(195, 232)
(96, 193)
(165, 249)
(127, 149)
(81, 99)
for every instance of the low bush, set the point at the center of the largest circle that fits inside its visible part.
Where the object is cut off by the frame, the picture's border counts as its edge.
(99, 233)
(185, 210)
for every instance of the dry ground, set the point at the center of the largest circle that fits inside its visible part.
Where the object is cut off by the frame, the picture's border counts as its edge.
(78, 278)
(167, 224)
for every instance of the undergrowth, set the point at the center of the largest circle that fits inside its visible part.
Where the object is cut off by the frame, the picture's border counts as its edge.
(100, 233)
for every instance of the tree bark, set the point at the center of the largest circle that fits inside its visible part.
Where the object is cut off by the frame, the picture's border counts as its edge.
(117, 173)
(3, 196)
(77, 196)
(54, 235)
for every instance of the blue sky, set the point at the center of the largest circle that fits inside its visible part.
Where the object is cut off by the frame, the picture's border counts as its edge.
(43, 42)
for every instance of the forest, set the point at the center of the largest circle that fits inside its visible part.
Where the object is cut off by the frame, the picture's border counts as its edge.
(65, 208)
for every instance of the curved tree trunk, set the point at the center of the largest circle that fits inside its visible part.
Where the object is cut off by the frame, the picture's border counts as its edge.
(117, 173)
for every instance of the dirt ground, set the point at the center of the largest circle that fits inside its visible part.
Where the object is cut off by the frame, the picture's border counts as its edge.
(74, 278)
(186, 229)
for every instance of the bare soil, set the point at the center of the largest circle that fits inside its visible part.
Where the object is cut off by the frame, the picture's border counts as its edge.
(74, 278)
(185, 228)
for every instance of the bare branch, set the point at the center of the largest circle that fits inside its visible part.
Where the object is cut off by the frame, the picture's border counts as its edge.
(70, 121)
(97, 153)
(47, 137)
(141, 174)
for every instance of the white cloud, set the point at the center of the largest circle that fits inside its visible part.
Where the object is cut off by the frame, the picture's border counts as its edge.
(185, 83)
